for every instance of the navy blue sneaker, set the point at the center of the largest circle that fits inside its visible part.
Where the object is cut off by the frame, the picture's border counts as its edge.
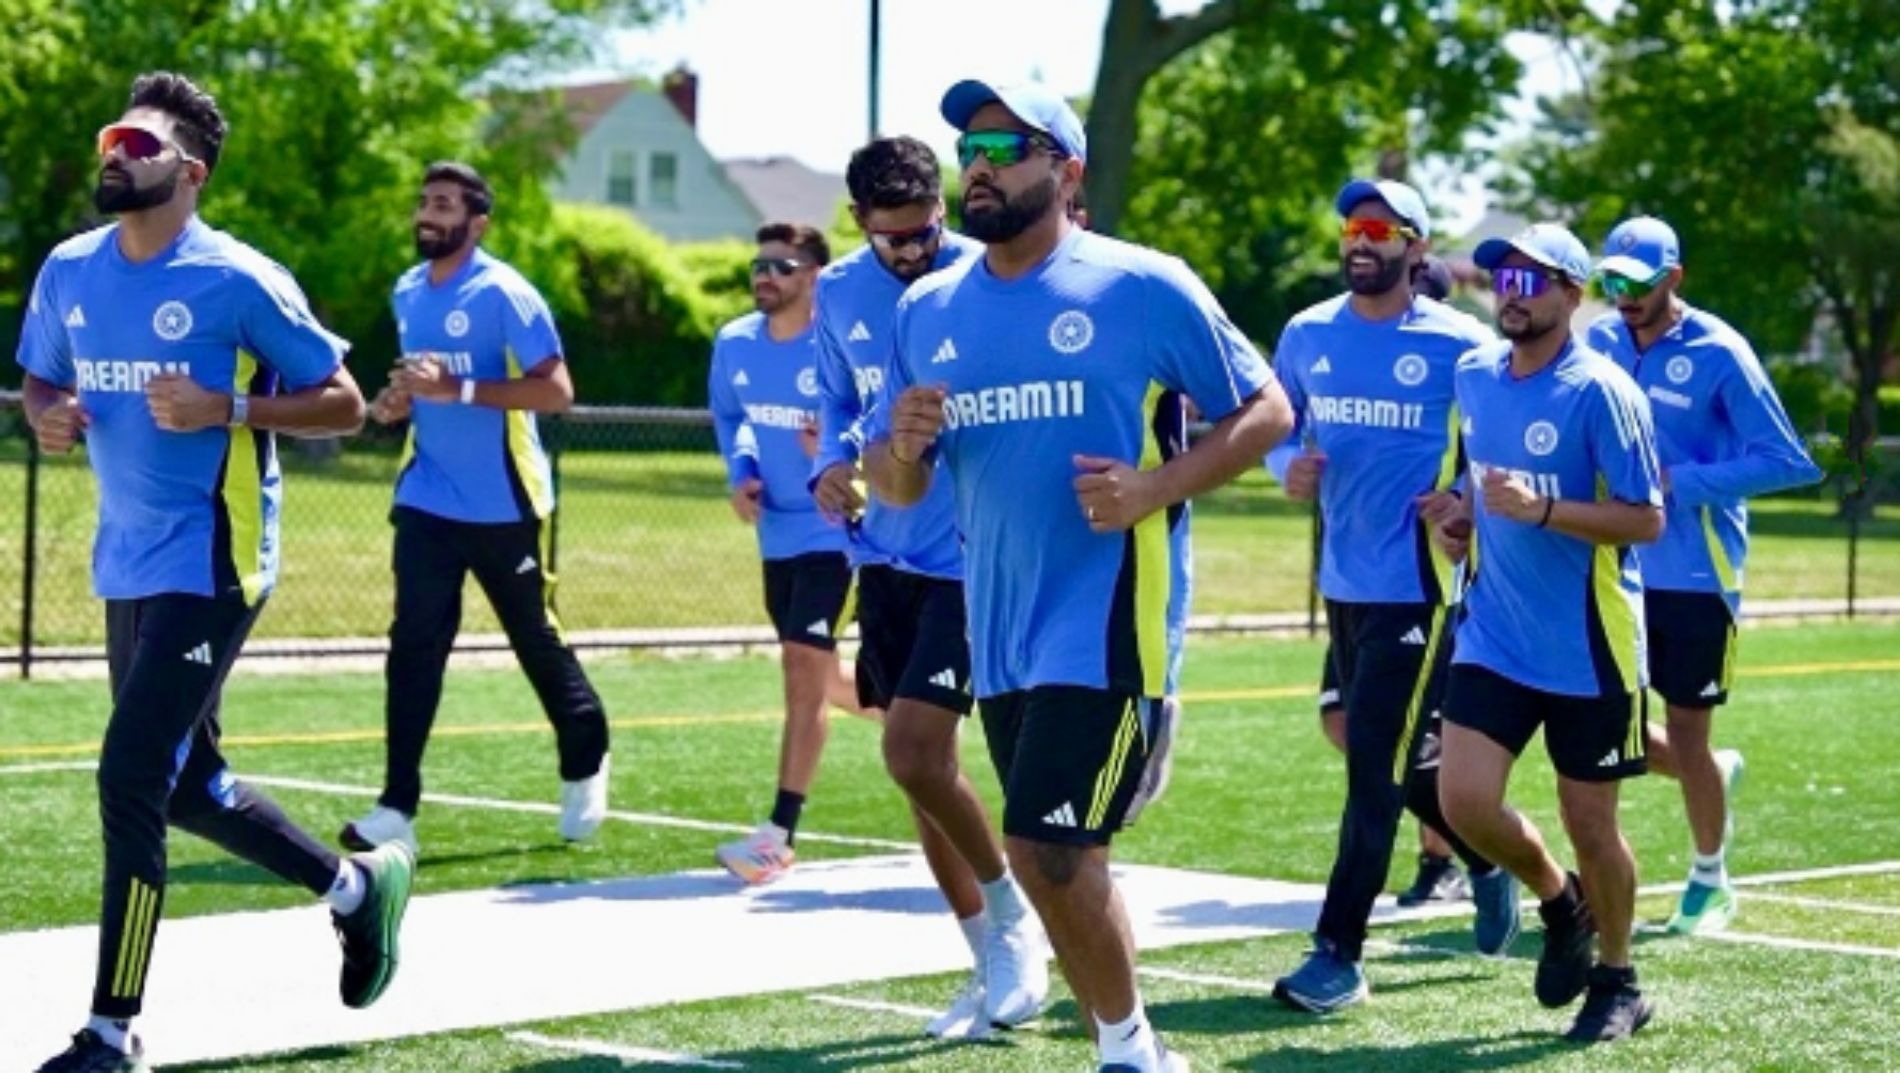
(1613, 1008)
(1324, 983)
(1496, 926)
(90, 1054)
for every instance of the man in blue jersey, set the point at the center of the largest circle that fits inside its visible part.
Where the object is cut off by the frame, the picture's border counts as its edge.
(1370, 375)
(1723, 437)
(1048, 376)
(763, 386)
(1563, 479)
(480, 359)
(914, 662)
(176, 351)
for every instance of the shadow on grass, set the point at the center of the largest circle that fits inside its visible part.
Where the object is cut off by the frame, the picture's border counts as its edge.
(1464, 1055)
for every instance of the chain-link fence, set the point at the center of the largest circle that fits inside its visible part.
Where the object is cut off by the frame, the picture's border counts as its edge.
(648, 551)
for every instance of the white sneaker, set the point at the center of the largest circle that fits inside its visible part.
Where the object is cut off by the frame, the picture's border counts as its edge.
(1015, 973)
(759, 857)
(380, 826)
(965, 1018)
(584, 803)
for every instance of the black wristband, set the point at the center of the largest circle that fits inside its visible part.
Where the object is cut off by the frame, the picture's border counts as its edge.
(1550, 502)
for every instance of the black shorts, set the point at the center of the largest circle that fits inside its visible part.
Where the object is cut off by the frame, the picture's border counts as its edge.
(1691, 647)
(915, 643)
(1589, 739)
(1069, 758)
(1329, 685)
(1390, 661)
(809, 598)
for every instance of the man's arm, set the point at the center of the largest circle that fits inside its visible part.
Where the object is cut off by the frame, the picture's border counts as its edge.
(545, 389)
(1115, 495)
(899, 462)
(53, 413)
(330, 407)
(1772, 456)
(1608, 521)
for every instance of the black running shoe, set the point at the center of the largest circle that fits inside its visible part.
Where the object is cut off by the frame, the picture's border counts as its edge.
(369, 935)
(90, 1054)
(1569, 946)
(1613, 1009)
(1438, 880)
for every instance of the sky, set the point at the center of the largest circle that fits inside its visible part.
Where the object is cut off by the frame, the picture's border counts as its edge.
(790, 77)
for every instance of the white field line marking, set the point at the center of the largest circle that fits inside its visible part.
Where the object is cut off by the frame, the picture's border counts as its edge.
(1824, 903)
(1782, 942)
(1233, 982)
(50, 765)
(874, 1006)
(602, 1049)
(544, 808)
(1871, 868)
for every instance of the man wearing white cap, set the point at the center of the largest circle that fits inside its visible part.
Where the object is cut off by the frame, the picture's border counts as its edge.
(1723, 437)
(1048, 375)
(1563, 479)
(1369, 374)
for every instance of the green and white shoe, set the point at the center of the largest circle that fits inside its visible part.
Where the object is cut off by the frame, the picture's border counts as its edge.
(369, 935)
(1704, 909)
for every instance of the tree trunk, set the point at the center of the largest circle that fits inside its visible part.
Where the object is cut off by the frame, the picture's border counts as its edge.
(1136, 42)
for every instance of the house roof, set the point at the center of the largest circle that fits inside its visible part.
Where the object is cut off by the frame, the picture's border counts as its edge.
(586, 104)
(785, 190)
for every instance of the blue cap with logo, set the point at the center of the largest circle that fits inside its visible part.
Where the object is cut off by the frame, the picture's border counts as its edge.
(1641, 248)
(1404, 201)
(1549, 245)
(1038, 106)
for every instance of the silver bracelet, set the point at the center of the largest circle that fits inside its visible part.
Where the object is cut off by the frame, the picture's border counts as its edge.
(468, 391)
(240, 410)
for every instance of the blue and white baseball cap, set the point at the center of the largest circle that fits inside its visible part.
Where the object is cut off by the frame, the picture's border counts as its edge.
(1641, 248)
(1402, 199)
(1038, 106)
(1549, 245)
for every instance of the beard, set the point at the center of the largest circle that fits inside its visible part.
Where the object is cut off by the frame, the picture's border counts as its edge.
(1386, 277)
(911, 269)
(1527, 329)
(125, 196)
(443, 246)
(1005, 217)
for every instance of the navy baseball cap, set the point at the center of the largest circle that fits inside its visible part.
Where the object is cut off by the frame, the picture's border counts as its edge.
(1038, 106)
(1549, 245)
(1404, 201)
(1641, 248)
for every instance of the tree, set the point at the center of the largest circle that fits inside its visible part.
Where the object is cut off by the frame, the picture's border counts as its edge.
(1244, 139)
(1765, 132)
(333, 105)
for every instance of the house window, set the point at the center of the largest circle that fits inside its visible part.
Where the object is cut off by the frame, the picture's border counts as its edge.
(621, 177)
(663, 172)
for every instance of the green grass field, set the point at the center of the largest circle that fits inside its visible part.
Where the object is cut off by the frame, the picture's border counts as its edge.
(1256, 793)
(647, 540)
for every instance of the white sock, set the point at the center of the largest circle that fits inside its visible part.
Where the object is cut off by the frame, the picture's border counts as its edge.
(974, 928)
(1002, 902)
(115, 1032)
(346, 894)
(1129, 1040)
(1710, 870)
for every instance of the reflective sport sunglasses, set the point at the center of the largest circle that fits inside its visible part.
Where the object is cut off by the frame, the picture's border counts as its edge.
(1001, 147)
(897, 240)
(777, 266)
(138, 143)
(1616, 286)
(1374, 230)
(1523, 282)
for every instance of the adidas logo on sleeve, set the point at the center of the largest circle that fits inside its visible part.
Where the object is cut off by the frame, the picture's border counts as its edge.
(859, 334)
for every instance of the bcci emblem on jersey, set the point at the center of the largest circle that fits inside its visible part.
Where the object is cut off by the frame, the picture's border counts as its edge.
(1071, 332)
(1410, 370)
(808, 381)
(172, 321)
(1540, 438)
(456, 323)
(1679, 369)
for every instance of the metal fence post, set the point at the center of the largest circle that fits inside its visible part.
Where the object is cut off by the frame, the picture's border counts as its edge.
(31, 553)
(1312, 578)
(1853, 547)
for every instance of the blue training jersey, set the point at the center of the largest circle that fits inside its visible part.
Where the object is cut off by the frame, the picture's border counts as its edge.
(179, 512)
(475, 463)
(1722, 436)
(1376, 398)
(1544, 609)
(1088, 353)
(763, 392)
(857, 305)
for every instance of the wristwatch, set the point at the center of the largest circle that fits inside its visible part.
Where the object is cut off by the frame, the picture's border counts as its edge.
(240, 410)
